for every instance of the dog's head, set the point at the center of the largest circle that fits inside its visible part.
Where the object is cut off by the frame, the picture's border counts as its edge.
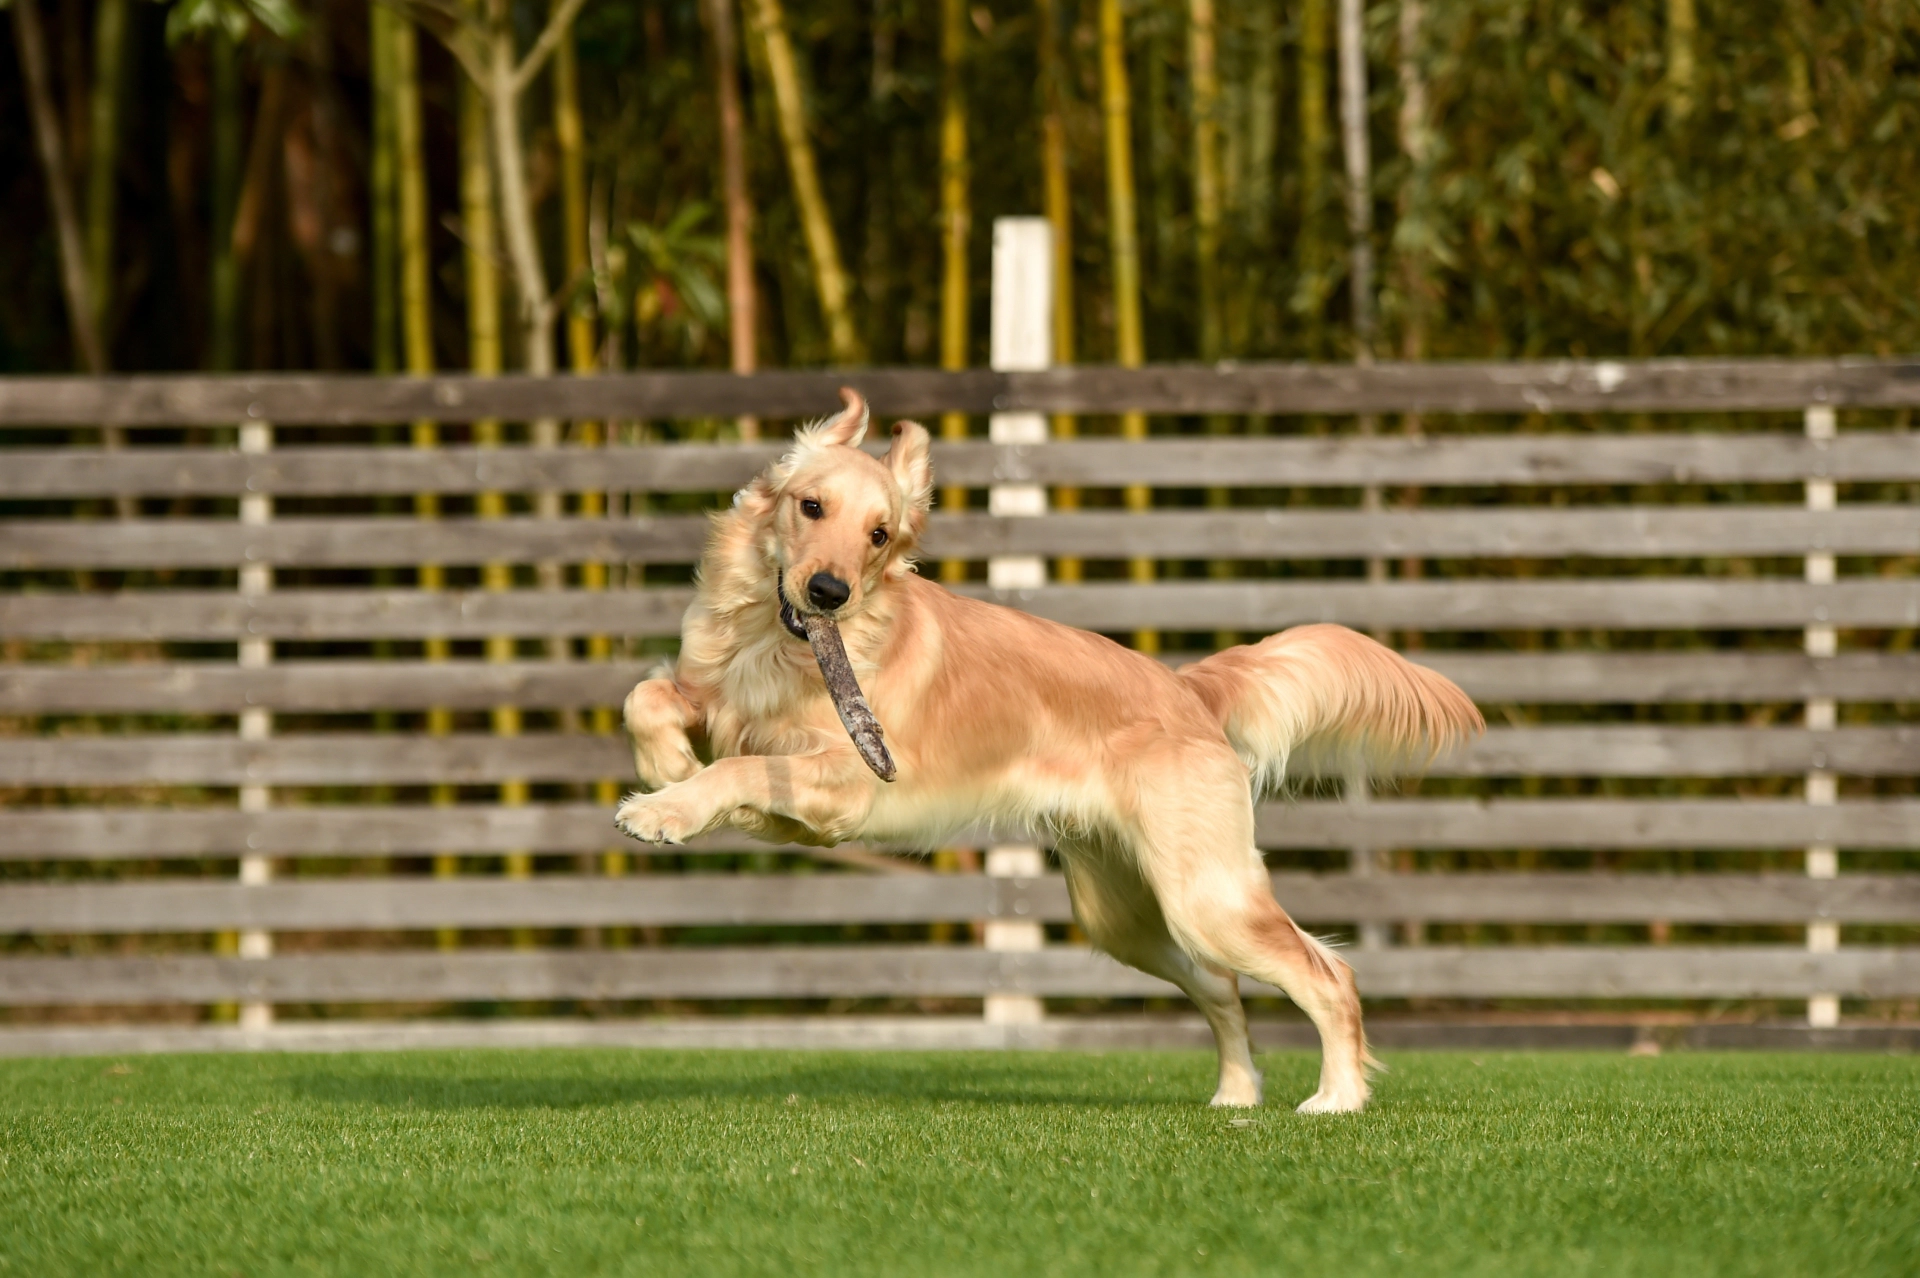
(837, 521)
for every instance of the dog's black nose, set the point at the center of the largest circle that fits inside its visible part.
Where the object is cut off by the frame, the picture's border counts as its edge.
(827, 591)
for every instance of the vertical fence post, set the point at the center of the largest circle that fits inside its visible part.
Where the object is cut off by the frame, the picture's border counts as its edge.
(1021, 338)
(256, 722)
(1823, 862)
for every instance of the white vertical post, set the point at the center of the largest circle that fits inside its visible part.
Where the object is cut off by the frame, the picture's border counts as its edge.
(1021, 338)
(256, 722)
(1823, 862)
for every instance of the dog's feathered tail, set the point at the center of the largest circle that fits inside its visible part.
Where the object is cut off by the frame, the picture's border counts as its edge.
(1325, 700)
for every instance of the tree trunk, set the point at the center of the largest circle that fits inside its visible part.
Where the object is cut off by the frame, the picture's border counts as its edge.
(223, 287)
(830, 277)
(103, 151)
(31, 42)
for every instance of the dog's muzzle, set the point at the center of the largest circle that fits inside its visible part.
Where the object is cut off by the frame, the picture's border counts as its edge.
(788, 617)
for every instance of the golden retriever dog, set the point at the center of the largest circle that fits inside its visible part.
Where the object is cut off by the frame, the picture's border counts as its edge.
(1143, 779)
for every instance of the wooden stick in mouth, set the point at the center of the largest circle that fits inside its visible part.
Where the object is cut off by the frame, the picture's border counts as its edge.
(824, 638)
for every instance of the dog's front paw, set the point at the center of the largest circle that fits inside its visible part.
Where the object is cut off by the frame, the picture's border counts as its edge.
(652, 818)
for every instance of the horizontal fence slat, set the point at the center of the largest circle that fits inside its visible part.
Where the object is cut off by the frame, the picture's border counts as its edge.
(1623, 532)
(122, 834)
(1575, 678)
(1460, 605)
(348, 686)
(931, 972)
(390, 759)
(315, 686)
(1537, 386)
(381, 904)
(1273, 461)
(1590, 823)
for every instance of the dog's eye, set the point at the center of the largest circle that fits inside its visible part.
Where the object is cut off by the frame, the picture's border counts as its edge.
(810, 508)
(879, 536)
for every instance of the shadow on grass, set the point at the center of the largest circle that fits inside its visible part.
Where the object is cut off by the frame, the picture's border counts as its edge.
(643, 1078)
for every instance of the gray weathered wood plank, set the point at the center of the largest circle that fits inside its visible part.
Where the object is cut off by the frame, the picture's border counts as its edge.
(1277, 533)
(1481, 387)
(1672, 677)
(1589, 823)
(390, 904)
(1432, 460)
(931, 971)
(209, 687)
(120, 834)
(468, 759)
(1642, 603)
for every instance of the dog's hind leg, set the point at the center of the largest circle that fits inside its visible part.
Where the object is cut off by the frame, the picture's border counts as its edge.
(1241, 927)
(1116, 909)
(1195, 849)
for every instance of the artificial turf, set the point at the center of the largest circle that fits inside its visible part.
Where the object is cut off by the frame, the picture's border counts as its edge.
(587, 1162)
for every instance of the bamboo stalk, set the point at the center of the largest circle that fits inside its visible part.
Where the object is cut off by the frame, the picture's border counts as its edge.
(223, 288)
(581, 349)
(1203, 73)
(955, 224)
(416, 330)
(1116, 102)
(1359, 167)
(823, 247)
(382, 193)
(569, 136)
(485, 356)
(103, 150)
(30, 43)
(1682, 27)
(1359, 160)
(1263, 38)
(500, 83)
(741, 306)
(1313, 161)
(1059, 206)
(1417, 287)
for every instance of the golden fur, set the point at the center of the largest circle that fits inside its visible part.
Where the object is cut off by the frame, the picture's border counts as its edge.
(1143, 778)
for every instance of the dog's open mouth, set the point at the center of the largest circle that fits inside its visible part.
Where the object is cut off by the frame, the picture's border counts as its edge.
(788, 617)
(823, 636)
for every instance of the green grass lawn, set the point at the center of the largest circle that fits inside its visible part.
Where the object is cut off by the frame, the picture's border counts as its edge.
(586, 1162)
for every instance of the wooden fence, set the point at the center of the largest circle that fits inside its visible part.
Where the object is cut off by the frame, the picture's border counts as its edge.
(1694, 647)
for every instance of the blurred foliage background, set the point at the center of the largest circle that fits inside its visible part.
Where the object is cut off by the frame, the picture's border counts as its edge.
(1632, 178)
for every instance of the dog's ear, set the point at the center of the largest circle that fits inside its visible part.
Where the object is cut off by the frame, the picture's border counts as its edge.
(848, 428)
(913, 471)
